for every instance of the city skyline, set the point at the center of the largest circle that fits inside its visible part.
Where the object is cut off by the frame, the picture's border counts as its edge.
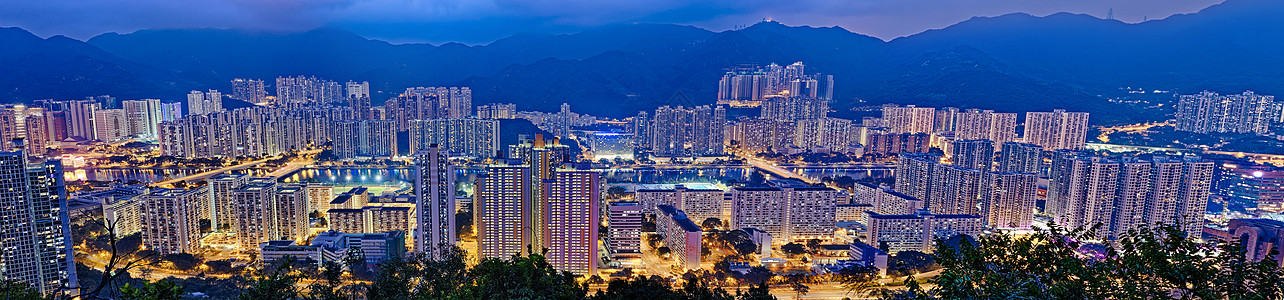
(643, 156)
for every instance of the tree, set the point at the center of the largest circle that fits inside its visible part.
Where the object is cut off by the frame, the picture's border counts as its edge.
(711, 224)
(758, 292)
(122, 258)
(183, 261)
(160, 290)
(793, 249)
(279, 283)
(797, 283)
(17, 290)
(616, 192)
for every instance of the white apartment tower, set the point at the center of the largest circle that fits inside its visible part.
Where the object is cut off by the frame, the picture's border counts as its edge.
(435, 191)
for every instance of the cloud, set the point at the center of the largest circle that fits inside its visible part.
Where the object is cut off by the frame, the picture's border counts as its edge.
(479, 21)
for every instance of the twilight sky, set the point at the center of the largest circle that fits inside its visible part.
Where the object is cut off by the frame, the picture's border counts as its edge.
(482, 21)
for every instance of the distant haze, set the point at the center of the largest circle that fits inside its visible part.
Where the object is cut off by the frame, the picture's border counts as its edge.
(483, 21)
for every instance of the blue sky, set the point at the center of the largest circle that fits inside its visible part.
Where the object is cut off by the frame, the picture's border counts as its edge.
(482, 21)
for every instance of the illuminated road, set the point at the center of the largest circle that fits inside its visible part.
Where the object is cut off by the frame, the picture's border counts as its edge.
(208, 174)
(778, 171)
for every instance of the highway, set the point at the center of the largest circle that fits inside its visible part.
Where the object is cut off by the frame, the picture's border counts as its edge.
(203, 175)
(778, 171)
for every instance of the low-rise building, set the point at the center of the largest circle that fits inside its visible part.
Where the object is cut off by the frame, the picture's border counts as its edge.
(918, 232)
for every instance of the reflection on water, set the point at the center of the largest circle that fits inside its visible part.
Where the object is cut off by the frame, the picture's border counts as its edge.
(709, 175)
(142, 175)
(352, 176)
(854, 173)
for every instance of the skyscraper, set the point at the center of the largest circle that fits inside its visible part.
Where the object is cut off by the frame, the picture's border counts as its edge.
(1021, 158)
(1056, 130)
(435, 191)
(974, 154)
(34, 220)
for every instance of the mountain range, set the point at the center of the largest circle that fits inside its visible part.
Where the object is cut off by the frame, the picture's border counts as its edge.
(1009, 63)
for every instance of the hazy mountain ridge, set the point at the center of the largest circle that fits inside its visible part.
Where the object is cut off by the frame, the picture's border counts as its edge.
(1013, 62)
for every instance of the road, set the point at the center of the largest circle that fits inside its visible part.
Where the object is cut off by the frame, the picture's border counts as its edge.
(778, 171)
(208, 174)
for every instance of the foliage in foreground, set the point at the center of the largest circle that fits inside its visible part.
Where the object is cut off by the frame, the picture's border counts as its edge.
(1151, 262)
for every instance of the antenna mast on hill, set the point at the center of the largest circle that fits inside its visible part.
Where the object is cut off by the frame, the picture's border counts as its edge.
(1110, 15)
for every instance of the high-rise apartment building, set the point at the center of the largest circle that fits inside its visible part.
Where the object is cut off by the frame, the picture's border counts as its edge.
(832, 134)
(33, 217)
(1007, 199)
(80, 119)
(794, 108)
(255, 212)
(973, 154)
(1056, 130)
(435, 191)
(909, 119)
(497, 111)
(170, 112)
(571, 220)
(170, 220)
(897, 143)
(679, 131)
(249, 90)
(460, 137)
(199, 103)
(699, 204)
(975, 124)
(111, 125)
(1121, 194)
(143, 117)
(1212, 112)
(953, 190)
(501, 211)
(290, 205)
(222, 205)
(914, 174)
(1021, 158)
(302, 89)
(364, 138)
